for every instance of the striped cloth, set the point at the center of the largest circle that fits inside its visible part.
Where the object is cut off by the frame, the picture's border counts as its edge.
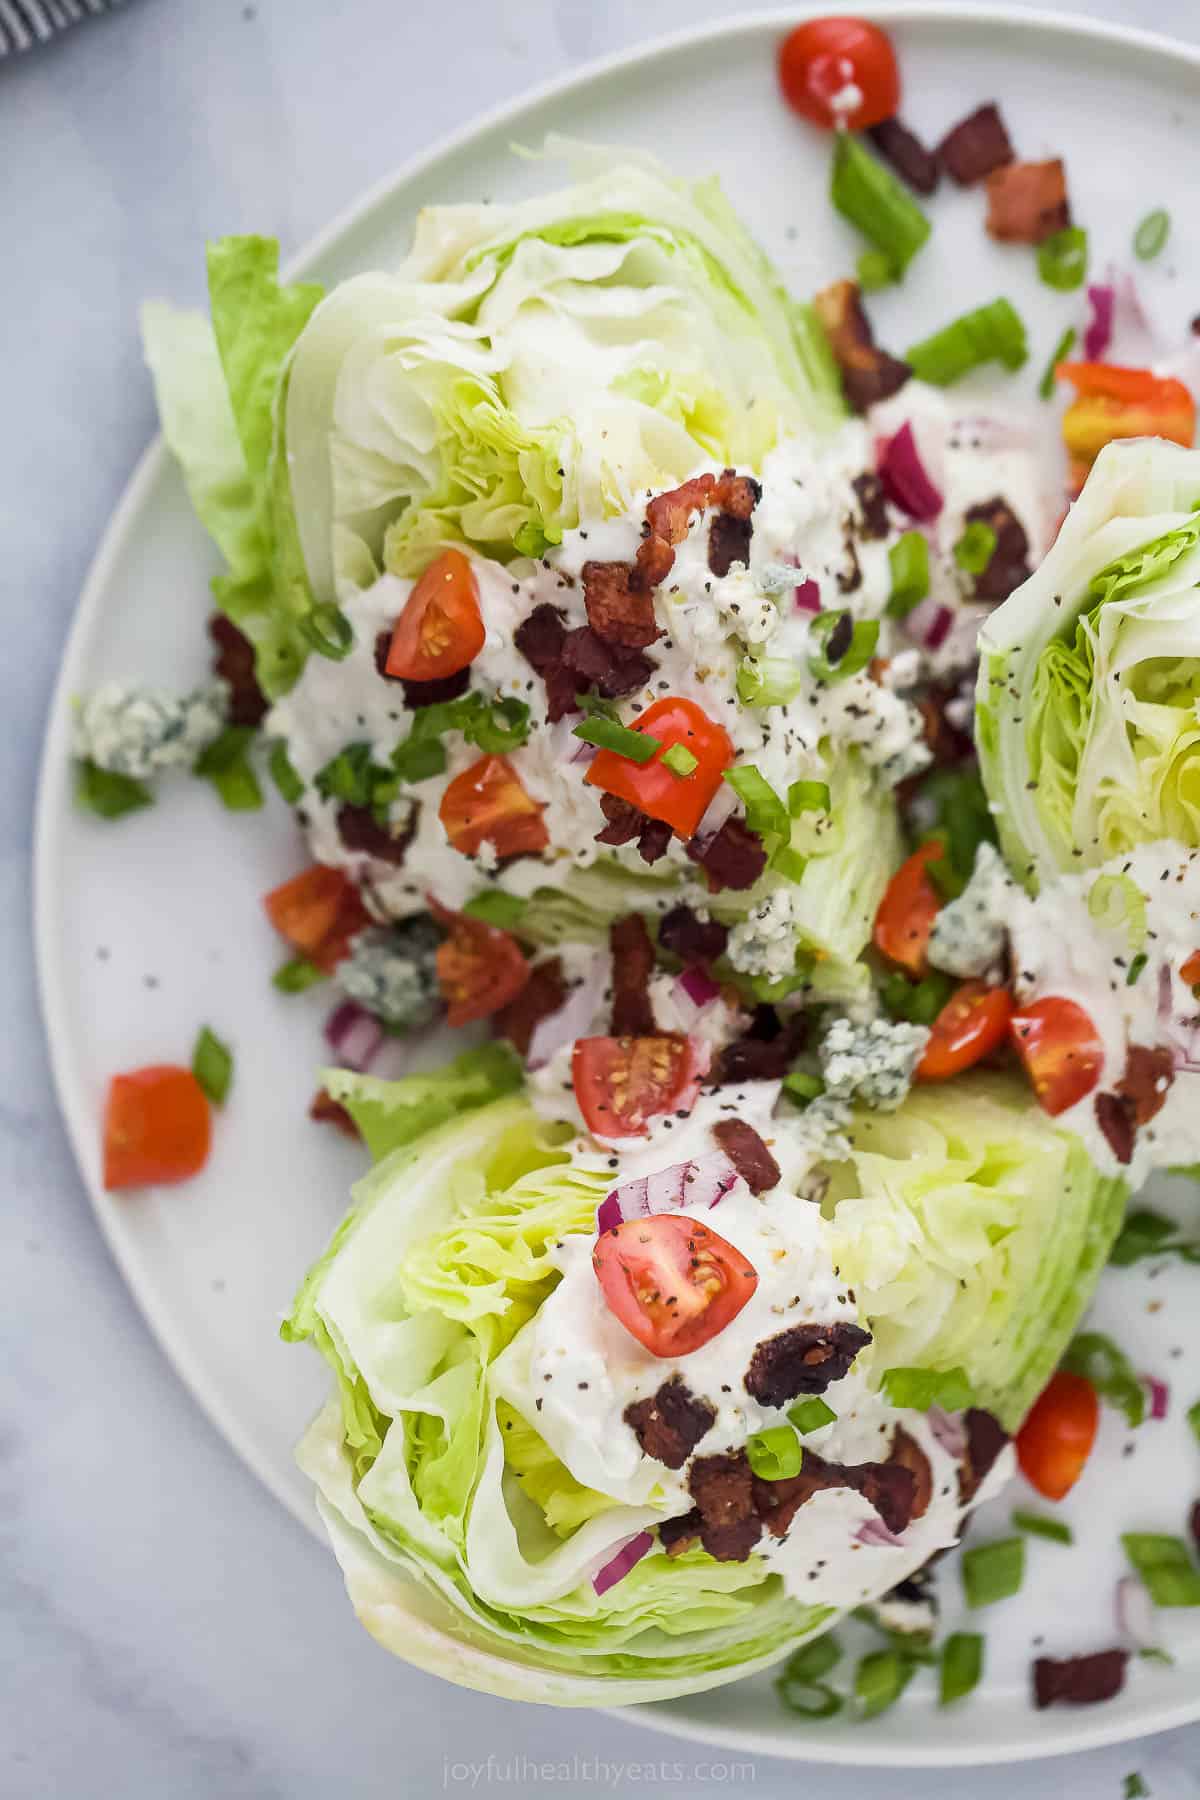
(24, 23)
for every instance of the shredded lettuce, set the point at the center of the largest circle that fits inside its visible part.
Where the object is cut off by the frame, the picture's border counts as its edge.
(390, 1114)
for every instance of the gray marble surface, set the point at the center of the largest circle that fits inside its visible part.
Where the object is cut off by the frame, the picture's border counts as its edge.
(165, 1630)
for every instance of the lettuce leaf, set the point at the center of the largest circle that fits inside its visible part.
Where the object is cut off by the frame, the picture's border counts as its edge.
(390, 1114)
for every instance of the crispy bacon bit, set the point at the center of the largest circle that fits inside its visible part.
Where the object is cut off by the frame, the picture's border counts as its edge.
(426, 693)
(908, 1454)
(543, 995)
(359, 829)
(625, 821)
(655, 840)
(541, 638)
(1114, 1116)
(618, 610)
(654, 561)
(986, 1438)
(1079, 1680)
(383, 645)
(691, 939)
(723, 1489)
(977, 145)
(1148, 1075)
(868, 373)
(632, 967)
(907, 155)
(889, 1487)
(748, 1154)
(669, 515)
(1027, 202)
(678, 1535)
(764, 1053)
(737, 495)
(1008, 565)
(728, 542)
(612, 671)
(849, 578)
(731, 858)
(671, 1423)
(804, 1359)
(327, 1111)
(234, 663)
(872, 506)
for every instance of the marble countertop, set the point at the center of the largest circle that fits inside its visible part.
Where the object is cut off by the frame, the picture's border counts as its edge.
(165, 1629)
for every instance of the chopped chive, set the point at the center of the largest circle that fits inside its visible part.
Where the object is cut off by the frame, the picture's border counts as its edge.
(991, 333)
(775, 1454)
(496, 908)
(1164, 1566)
(1137, 964)
(212, 1065)
(1135, 1788)
(919, 1002)
(1102, 1362)
(108, 795)
(842, 644)
(961, 1665)
(808, 796)
(1037, 1525)
(868, 194)
(994, 1571)
(801, 1087)
(1061, 350)
(680, 761)
(1062, 259)
(975, 548)
(874, 271)
(284, 776)
(1152, 234)
(908, 559)
(773, 681)
(226, 763)
(801, 1685)
(295, 976)
(811, 1414)
(880, 1679)
(765, 811)
(610, 734)
(919, 1389)
(349, 776)
(789, 863)
(328, 631)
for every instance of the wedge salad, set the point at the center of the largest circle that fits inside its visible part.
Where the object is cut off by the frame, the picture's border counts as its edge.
(718, 720)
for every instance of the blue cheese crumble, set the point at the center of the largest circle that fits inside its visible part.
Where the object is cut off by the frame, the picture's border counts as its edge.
(765, 942)
(392, 973)
(143, 732)
(872, 1063)
(969, 933)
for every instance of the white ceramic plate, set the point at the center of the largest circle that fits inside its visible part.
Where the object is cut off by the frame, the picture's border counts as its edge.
(148, 928)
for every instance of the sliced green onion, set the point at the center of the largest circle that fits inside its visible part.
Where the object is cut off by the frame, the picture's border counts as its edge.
(975, 548)
(1147, 1233)
(349, 776)
(1116, 900)
(869, 195)
(843, 645)
(226, 763)
(770, 681)
(808, 796)
(775, 1454)
(610, 734)
(919, 1002)
(1164, 1566)
(1037, 1525)
(992, 333)
(108, 795)
(1102, 1362)
(919, 1389)
(1193, 1419)
(1136, 966)
(280, 769)
(1062, 259)
(329, 631)
(419, 758)
(495, 907)
(961, 1667)
(801, 1684)
(874, 271)
(1060, 352)
(789, 863)
(908, 559)
(945, 871)
(493, 725)
(811, 1414)
(880, 1679)
(680, 761)
(1135, 1788)
(994, 1571)
(765, 811)
(803, 1088)
(295, 976)
(212, 1065)
(1152, 234)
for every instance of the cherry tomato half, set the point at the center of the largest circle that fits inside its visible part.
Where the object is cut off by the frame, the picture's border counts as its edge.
(1190, 970)
(840, 72)
(157, 1127)
(973, 1023)
(479, 967)
(487, 804)
(1059, 1046)
(623, 1082)
(906, 913)
(318, 911)
(672, 1282)
(1056, 1439)
(680, 801)
(441, 629)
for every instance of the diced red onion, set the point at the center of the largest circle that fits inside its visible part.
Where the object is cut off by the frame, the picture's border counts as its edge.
(618, 1566)
(1182, 1036)
(929, 622)
(608, 1214)
(693, 993)
(1159, 1395)
(876, 1532)
(701, 1181)
(948, 1431)
(354, 1035)
(574, 1018)
(1096, 339)
(808, 597)
(1135, 1613)
(904, 477)
(1128, 301)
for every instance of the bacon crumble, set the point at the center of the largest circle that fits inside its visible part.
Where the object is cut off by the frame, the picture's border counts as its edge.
(748, 1154)
(804, 1359)
(1027, 202)
(359, 829)
(732, 857)
(693, 940)
(1079, 1680)
(976, 146)
(670, 1424)
(889, 1487)
(632, 967)
(233, 662)
(907, 154)
(868, 373)
(1008, 565)
(543, 995)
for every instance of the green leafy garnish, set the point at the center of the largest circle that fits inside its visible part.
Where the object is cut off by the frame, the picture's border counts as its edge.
(212, 1065)
(920, 1389)
(908, 560)
(1062, 259)
(801, 1685)
(108, 795)
(992, 333)
(961, 1665)
(1135, 1788)
(226, 763)
(1037, 1525)
(1165, 1567)
(1147, 1233)
(880, 1679)
(1152, 234)
(1102, 1362)
(994, 1571)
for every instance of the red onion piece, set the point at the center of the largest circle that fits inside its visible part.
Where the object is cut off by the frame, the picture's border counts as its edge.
(904, 477)
(702, 1181)
(354, 1035)
(808, 597)
(876, 1532)
(1135, 1613)
(948, 1431)
(1181, 1036)
(608, 1214)
(699, 986)
(1098, 336)
(929, 623)
(574, 1018)
(1159, 1395)
(618, 1566)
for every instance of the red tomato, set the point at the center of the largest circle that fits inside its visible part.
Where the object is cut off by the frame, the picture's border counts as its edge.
(479, 967)
(973, 1023)
(680, 801)
(157, 1127)
(621, 1083)
(1115, 402)
(318, 912)
(1190, 971)
(1063, 1056)
(487, 804)
(440, 630)
(671, 1281)
(1056, 1439)
(822, 59)
(906, 913)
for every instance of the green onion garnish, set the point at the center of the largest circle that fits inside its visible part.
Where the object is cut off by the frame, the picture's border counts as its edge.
(868, 194)
(1062, 259)
(961, 1667)
(493, 725)
(349, 776)
(212, 1065)
(1061, 350)
(789, 863)
(775, 1454)
(1164, 1566)
(1102, 1362)
(765, 811)
(108, 795)
(1037, 1525)
(874, 271)
(920, 1389)
(809, 1415)
(295, 976)
(226, 763)
(418, 758)
(1147, 1233)
(495, 907)
(843, 644)
(280, 769)
(679, 759)
(801, 1686)
(770, 681)
(919, 1002)
(880, 1679)
(530, 539)
(808, 796)
(992, 333)
(610, 734)
(1152, 234)
(975, 548)
(1193, 1419)
(1136, 966)
(908, 559)
(1135, 1788)
(329, 631)
(801, 1087)
(994, 1571)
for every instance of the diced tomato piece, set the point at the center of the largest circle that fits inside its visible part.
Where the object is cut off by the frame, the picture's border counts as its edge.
(1056, 1439)
(973, 1023)
(671, 1281)
(157, 1127)
(623, 1082)
(318, 911)
(441, 629)
(1116, 402)
(910, 904)
(479, 967)
(487, 804)
(1060, 1048)
(680, 801)
(828, 58)
(1190, 971)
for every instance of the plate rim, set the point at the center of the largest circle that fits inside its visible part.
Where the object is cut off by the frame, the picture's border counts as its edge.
(1076, 1732)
